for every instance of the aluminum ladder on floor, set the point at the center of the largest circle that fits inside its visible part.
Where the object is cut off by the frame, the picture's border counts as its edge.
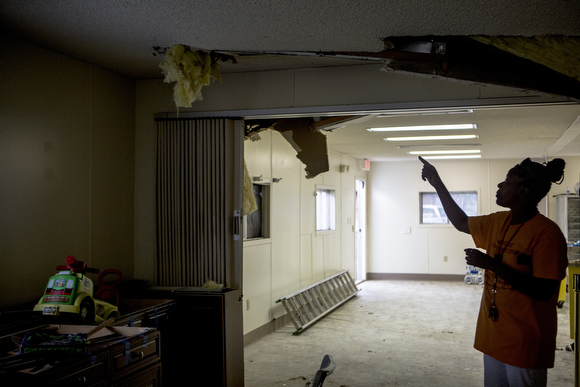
(310, 304)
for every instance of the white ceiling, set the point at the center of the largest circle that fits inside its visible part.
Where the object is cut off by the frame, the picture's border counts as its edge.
(503, 132)
(120, 36)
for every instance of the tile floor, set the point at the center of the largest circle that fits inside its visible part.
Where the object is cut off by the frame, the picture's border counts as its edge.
(393, 333)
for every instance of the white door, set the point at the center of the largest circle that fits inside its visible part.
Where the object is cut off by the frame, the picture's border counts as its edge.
(360, 231)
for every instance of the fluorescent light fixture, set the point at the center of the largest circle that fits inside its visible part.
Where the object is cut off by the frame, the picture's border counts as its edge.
(452, 157)
(432, 112)
(423, 127)
(433, 138)
(445, 152)
(438, 146)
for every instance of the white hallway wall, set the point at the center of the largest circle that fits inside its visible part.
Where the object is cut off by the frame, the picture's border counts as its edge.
(399, 244)
(295, 256)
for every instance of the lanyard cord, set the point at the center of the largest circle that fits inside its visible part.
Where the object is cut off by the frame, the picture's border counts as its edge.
(493, 310)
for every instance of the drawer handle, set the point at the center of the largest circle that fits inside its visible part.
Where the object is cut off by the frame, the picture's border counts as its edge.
(137, 355)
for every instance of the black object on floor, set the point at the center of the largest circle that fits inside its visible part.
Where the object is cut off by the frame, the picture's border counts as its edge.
(326, 368)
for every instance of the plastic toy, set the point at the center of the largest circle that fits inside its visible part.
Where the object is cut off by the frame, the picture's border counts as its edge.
(71, 292)
(473, 276)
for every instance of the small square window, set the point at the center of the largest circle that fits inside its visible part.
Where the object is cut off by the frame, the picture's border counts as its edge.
(431, 209)
(325, 209)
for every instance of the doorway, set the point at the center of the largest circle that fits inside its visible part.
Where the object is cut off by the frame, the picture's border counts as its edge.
(360, 231)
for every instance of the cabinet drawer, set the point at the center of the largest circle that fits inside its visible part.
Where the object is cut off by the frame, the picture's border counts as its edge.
(150, 377)
(134, 353)
(96, 374)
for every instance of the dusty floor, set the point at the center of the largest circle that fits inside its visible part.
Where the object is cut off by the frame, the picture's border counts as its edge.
(393, 333)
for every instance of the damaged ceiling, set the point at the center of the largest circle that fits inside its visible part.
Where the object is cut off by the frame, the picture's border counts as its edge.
(120, 35)
(545, 64)
(528, 45)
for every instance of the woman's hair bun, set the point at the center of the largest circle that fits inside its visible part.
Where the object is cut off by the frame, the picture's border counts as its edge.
(538, 178)
(555, 170)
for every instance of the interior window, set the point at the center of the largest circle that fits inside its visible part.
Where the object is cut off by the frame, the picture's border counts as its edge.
(325, 209)
(431, 209)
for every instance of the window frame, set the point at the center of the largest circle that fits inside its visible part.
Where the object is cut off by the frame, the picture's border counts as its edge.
(447, 222)
(331, 212)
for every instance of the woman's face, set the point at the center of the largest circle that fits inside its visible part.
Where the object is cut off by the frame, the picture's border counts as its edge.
(510, 192)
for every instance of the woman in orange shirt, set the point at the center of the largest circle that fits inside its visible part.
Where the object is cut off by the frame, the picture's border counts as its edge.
(525, 262)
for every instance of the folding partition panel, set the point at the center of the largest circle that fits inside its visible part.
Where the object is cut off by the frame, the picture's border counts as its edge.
(199, 189)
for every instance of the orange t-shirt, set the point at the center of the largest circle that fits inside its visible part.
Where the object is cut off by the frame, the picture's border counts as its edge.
(524, 334)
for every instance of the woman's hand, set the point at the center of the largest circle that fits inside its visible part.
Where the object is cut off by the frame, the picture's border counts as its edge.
(539, 288)
(429, 173)
(456, 215)
(474, 257)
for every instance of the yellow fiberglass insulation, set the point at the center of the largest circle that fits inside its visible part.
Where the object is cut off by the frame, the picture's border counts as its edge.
(191, 70)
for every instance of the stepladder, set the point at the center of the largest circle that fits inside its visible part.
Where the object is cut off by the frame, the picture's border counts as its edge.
(308, 305)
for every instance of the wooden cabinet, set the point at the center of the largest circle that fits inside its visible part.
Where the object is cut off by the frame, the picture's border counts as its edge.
(148, 378)
(206, 343)
(119, 356)
(202, 342)
(89, 372)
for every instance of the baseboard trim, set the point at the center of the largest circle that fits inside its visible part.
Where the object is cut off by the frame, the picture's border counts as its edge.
(415, 277)
(266, 329)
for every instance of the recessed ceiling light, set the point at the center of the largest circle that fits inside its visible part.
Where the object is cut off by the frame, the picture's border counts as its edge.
(452, 157)
(444, 152)
(432, 138)
(438, 146)
(432, 112)
(423, 127)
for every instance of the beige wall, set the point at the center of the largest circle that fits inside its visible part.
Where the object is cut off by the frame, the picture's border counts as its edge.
(66, 168)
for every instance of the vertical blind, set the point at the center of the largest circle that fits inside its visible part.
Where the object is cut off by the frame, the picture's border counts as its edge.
(191, 202)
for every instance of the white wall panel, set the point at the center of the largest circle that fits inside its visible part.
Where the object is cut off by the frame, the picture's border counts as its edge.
(257, 291)
(285, 218)
(317, 258)
(308, 204)
(258, 156)
(445, 250)
(306, 261)
(332, 253)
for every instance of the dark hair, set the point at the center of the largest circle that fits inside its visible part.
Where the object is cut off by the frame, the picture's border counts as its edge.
(538, 178)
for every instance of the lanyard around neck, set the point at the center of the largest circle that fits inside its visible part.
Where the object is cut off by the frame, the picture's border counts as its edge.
(493, 312)
(504, 248)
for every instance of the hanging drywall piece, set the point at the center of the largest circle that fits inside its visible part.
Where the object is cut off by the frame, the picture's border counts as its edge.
(310, 145)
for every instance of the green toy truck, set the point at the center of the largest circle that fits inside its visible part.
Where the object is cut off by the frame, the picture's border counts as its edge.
(71, 293)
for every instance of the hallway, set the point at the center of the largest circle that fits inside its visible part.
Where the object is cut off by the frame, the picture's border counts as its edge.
(393, 333)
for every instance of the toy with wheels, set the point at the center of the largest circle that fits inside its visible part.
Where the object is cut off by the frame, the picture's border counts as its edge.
(70, 292)
(473, 275)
